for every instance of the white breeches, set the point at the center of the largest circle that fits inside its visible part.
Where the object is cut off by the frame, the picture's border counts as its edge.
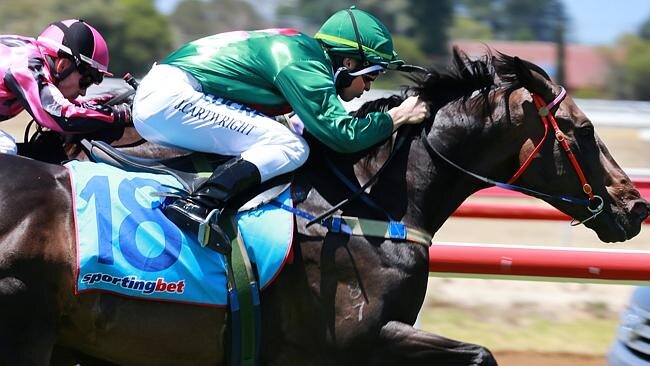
(7, 144)
(170, 109)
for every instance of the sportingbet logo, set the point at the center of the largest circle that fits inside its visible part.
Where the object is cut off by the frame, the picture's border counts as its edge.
(132, 283)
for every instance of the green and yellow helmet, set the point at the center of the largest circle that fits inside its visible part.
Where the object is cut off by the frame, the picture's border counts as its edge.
(355, 33)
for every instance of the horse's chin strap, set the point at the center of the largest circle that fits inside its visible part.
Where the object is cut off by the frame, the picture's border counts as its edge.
(594, 203)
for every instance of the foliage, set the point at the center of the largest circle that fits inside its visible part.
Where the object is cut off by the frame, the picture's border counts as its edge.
(410, 52)
(465, 27)
(520, 20)
(315, 13)
(422, 20)
(644, 30)
(630, 77)
(193, 19)
(430, 22)
(137, 37)
(136, 33)
(27, 17)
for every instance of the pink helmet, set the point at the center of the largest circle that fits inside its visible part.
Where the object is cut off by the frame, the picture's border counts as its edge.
(78, 39)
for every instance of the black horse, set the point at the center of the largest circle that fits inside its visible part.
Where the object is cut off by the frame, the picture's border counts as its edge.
(344, 300)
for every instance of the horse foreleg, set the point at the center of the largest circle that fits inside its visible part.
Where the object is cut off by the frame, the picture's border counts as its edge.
(401, 344)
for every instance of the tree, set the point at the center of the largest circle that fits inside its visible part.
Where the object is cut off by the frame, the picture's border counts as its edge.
(27, 17)
(193, 19)
(424, 21)
(465, 27)
(630, 76)
(521, 20)
(137, 35)
(644, 30)
(560, 75)
(430, 21)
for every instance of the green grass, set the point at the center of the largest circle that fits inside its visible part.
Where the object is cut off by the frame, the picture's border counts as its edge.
(590, 332)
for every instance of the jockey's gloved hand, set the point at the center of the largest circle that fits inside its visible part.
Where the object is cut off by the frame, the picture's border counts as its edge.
(97, 100)
(122, 114)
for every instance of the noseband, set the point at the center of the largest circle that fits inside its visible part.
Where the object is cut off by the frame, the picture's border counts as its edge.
(593, 203)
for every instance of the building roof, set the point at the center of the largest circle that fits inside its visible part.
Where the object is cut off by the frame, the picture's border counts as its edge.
(585, 67)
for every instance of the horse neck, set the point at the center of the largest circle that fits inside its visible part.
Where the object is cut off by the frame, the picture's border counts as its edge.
(423, 190)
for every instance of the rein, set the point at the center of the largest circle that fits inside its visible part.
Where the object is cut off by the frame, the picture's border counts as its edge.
(547, 118)
(360, 192)
(121, 98)
(357, 226)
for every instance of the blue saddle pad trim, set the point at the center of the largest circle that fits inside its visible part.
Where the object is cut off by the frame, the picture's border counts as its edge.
(126, 245)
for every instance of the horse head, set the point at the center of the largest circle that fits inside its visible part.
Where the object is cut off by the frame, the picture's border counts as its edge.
(528, 132)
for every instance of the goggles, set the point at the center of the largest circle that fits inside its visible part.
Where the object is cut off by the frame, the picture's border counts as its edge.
(369, 73)
(371, 76)
(89, 76)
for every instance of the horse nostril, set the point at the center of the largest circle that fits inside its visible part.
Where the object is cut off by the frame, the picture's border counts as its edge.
(641, 209)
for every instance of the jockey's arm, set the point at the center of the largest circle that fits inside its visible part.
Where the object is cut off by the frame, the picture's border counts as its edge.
(309, 89)
(50, 108)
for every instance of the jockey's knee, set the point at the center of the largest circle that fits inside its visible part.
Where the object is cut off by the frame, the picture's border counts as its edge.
(301, 149)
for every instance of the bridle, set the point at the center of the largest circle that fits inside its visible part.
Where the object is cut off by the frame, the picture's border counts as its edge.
(547, 118)
(593, 203)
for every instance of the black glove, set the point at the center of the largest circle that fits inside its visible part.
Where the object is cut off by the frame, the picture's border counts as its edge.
(122, 114)
(97, 100)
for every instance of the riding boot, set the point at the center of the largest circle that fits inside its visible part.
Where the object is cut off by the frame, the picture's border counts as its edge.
(198, 213)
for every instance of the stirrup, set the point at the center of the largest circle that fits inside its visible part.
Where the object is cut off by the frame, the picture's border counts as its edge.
(211, 235)
(203, 235)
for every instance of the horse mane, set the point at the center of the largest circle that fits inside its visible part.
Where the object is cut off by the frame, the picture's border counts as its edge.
(459, 80)
(440, 86)
(506, 69)
(443, 84)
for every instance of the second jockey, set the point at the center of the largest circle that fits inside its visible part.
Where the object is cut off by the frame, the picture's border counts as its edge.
(45, 77)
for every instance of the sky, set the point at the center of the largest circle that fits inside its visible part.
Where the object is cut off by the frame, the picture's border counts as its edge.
(594, 22)
(601, 22)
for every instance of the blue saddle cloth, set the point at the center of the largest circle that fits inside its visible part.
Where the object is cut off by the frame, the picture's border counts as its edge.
(125, 244)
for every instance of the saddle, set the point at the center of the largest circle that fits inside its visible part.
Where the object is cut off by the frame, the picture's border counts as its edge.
(190, 170)
(242, 276)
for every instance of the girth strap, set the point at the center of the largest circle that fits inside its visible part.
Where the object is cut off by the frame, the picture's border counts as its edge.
(244, 302)
(374, 228)
(356, 226)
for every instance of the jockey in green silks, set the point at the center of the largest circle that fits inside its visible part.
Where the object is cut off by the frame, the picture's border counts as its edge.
(217, 95)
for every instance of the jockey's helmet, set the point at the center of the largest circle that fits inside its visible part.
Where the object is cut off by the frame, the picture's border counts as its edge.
(357, 34)
(78, 40)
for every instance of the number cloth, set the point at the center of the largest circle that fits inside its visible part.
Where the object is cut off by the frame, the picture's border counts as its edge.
(126, 245)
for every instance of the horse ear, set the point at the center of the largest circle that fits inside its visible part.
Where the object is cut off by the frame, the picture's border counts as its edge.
(523, 72)
(533, 82)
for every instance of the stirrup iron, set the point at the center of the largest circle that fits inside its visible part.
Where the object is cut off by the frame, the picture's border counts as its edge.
(203, 235)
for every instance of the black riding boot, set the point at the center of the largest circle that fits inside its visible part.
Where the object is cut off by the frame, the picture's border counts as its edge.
(198, 214)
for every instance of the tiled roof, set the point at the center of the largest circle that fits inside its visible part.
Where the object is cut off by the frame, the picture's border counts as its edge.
(584, 66)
